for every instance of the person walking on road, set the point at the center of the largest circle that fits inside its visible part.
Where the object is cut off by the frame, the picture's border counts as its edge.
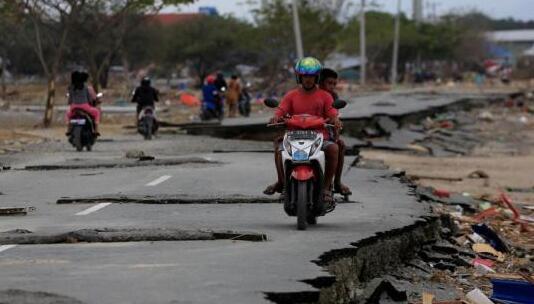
(232, 96)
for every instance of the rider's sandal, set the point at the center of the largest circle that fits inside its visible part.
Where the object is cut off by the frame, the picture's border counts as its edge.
(328, 199)
(343, 190)
(272, 189)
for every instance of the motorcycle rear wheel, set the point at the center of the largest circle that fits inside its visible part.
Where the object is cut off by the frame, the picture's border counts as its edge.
(77, 138)
(149, 125)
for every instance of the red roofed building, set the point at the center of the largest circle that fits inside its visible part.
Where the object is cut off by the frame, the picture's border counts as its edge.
(172, 18)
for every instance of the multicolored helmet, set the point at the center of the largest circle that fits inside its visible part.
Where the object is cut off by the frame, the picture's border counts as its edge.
(308, 66)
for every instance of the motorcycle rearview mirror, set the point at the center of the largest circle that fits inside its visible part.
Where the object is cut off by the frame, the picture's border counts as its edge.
(339, 104)
(271, 103)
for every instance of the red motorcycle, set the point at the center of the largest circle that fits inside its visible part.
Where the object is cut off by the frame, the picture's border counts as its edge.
(304, 166)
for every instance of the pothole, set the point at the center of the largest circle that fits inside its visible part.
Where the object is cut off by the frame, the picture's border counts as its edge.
(115, 235)
(121, 163)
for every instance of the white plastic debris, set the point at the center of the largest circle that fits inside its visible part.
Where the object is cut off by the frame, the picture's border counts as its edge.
(476, 296)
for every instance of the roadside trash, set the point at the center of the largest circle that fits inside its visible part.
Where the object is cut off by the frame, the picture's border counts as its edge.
(523, 119)
(449, 179)
(441, 193)
(516, 215)
(458, 211)
(512, 291)
(491, 212)
(427, 298)
(16, 210)
(476, 296)
(485, 248)
(486, 262)
(134, 154)
(189, 100)
(486, 116)
(484, 206)
(446, 124)
(475, 238)
(525, 190)
(490, 236)
(478, 174)
(482, 269)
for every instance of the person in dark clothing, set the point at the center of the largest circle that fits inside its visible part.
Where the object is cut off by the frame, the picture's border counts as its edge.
(328, 82)
(145, 96)
(221, 86)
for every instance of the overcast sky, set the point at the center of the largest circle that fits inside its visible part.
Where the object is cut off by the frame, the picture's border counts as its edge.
(519, 9)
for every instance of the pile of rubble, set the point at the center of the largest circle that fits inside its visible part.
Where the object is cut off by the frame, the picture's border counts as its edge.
(487, 251)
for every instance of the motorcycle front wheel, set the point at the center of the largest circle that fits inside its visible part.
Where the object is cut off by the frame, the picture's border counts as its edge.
(302, 205)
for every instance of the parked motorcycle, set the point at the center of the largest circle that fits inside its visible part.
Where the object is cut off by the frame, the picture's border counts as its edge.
(147, 124)
(304, 166)
(82, 128)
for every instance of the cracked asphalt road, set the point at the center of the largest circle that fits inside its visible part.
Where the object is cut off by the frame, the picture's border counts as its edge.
(214, 271)
(220, 271)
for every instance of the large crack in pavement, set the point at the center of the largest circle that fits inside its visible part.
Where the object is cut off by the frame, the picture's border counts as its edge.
(369, 258)
(120, 163)
(17, 296)
(176, 199)
(115, 235)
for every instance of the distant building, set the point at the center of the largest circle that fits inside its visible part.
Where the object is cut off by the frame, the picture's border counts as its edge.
(511, 43)
(347, 66)
(417, 12)
(208, 10)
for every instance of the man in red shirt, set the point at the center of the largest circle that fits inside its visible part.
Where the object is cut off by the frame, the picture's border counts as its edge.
(308, 99)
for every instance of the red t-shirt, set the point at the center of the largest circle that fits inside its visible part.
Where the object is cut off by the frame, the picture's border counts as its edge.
(297, 101)
(317, 102)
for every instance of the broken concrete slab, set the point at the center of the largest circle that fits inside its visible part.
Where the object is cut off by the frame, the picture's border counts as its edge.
(386, 124)
(107, 235)
(16, 210)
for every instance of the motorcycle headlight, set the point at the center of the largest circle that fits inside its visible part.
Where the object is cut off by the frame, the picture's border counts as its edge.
(315, 145)
(287, 147)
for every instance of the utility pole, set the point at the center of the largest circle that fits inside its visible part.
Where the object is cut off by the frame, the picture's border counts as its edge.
(296, 29)
(395, 58)
(363, 57)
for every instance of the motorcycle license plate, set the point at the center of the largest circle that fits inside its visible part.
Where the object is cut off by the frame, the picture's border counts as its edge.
(300, 155)
(77, 121)
(302, 135)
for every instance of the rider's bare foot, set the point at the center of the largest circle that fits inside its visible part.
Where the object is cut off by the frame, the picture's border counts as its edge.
(274, 188)
(342, 189)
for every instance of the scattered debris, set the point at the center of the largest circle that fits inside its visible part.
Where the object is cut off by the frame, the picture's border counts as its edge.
(449, 179)
(512, 291)
(491, 237)
(476, 296)
(522, 190)
(16, 210)
(478, 174)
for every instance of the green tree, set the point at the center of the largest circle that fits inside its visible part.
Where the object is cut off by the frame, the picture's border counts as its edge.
(211, 43)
